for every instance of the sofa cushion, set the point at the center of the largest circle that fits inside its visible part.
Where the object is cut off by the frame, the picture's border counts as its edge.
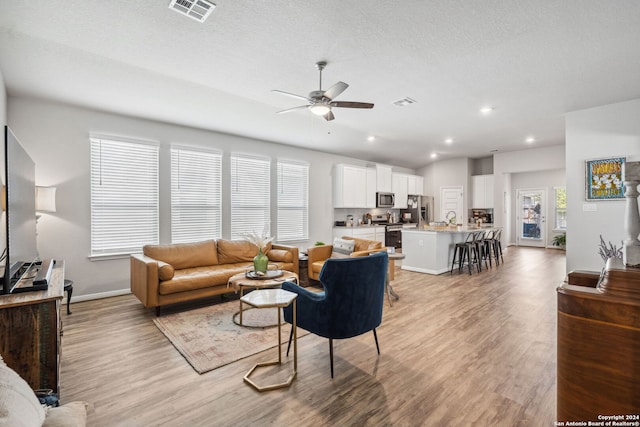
(184, 255)
(165, 271)
(342, 248)
(365, 244)
(232, 251)
(280, 255)
(72, 414)
(189, 279)
(19, 405)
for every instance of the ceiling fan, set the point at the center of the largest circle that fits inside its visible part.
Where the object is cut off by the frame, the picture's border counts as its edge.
(321, 101)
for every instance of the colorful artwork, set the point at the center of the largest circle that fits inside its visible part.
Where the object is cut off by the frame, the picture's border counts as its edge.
(604, 178)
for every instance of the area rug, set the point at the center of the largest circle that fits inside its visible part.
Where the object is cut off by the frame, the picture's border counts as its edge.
(208, 338)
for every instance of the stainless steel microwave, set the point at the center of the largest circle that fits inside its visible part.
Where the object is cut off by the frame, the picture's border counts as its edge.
(385, 200)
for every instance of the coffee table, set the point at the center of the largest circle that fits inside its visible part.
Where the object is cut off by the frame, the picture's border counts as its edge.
(278, 298)
(240, 282)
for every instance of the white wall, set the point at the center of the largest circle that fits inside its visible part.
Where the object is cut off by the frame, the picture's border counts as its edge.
(546, 180)
(448, 173)
(57, 138)
(606, 131)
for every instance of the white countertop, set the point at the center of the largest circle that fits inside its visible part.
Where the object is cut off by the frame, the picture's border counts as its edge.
(458, 229)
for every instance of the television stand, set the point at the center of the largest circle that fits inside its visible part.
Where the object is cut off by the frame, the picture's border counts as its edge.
(30, 327)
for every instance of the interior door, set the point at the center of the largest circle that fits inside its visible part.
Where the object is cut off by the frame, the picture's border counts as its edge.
(531, 218)
(451, 205)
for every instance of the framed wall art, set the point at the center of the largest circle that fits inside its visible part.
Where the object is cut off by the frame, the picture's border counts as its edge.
(604, 178)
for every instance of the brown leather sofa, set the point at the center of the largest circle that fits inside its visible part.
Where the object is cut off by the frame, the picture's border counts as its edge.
(168, 274)
(318, 254)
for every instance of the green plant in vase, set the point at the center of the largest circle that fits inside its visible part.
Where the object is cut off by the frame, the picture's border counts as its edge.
(260, 261)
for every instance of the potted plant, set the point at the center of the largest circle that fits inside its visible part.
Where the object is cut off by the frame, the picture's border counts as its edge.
(560, 240)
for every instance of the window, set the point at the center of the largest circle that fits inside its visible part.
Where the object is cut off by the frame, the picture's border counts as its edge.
(196, 188)
(560, 208)
(250, 195)
(124, 196)
(293, 201)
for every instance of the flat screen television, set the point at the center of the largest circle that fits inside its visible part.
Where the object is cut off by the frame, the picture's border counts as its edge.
(24, 270)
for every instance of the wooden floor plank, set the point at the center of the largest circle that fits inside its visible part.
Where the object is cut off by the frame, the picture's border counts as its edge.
(455, 350)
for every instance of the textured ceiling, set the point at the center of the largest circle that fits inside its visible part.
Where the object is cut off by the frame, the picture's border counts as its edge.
(531, 61)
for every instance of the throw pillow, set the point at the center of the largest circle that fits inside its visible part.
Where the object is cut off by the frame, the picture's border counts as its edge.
(19, 406)
(165, 271)
(342, 248)
(72, 414)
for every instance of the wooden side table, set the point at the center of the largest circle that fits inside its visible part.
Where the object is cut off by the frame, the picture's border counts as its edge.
(268, 298)
(392, 274)
(303, 270)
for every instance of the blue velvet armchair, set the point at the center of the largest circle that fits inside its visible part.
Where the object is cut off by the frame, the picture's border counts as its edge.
(351, 303)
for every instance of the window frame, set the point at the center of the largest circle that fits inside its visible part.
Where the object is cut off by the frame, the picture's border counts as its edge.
(247, 186)
(285, 204)
(196, 194)
(132, 169)
(557, 210)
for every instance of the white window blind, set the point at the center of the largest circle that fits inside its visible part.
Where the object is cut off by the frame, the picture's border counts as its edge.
(124, 196)
(293, 201)
(250, 195)
(196, 195)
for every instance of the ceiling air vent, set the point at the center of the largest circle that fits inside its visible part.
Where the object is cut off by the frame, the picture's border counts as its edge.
(404, 102)
(194, 9)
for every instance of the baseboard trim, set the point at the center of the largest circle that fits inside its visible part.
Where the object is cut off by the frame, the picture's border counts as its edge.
(99, 295)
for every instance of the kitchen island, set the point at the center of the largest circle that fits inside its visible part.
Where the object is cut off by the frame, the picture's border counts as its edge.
(430, 249)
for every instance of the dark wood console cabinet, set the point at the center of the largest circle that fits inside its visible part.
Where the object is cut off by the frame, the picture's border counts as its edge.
(599, 344)
(30, 328)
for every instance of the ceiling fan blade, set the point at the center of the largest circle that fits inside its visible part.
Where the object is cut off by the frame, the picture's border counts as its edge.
(292, 109)
(329, 116)
(335, 90)
(293, 95)
(350, 104)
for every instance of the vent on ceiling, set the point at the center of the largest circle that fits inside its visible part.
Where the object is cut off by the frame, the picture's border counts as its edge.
(194, 9)
(404, 102)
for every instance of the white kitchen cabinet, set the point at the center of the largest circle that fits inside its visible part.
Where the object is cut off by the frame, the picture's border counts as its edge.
(371, 188)
(349, 186)
(384, 178)
(415, 185)
(399, 187)
(482, 190)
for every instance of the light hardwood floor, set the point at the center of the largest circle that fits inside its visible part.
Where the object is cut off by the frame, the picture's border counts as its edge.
(455, 351)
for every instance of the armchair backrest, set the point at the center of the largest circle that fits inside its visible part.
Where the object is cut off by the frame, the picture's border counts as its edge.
(354, 292)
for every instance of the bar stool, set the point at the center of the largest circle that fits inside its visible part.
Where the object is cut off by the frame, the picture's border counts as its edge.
(463, 250)
(479, 240)
(489, 248)
(497, 244)
(68, 288)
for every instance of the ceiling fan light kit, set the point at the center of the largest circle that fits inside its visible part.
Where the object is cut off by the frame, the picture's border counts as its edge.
(320, 109)
(321, 101)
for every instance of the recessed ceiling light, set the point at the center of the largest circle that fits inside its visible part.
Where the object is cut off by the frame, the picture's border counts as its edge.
(434, 155)
(448, 141)
(486, 110)
(371, 138)
(530, 140)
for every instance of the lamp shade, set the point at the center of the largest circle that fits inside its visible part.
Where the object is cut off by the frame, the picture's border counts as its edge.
(45, 199)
